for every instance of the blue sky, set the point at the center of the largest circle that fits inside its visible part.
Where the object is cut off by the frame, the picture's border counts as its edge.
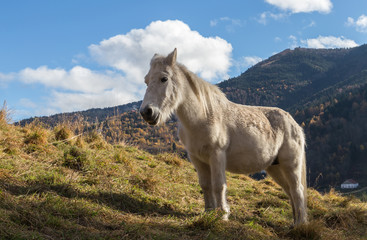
(63, 56)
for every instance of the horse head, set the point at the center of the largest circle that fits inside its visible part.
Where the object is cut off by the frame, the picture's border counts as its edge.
(160, 99)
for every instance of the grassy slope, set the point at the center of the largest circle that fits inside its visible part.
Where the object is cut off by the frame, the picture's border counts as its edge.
(88, 189)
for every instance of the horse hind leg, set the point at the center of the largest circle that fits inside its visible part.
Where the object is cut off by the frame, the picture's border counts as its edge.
(275, 172)
(294, 174)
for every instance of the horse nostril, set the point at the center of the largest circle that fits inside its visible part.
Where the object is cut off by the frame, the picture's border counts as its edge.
(149, 112)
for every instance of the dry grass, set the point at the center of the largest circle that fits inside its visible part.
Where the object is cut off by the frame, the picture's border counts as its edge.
(63, 132)
(88, 189)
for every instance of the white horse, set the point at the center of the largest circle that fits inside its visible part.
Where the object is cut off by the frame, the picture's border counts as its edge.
(220, 135)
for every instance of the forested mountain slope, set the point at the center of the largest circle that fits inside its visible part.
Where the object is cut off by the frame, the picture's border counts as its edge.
(94, 115)
(299, 77)
(336, 134)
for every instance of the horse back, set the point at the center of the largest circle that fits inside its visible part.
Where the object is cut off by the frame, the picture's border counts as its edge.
(256, 136)
(270, 121)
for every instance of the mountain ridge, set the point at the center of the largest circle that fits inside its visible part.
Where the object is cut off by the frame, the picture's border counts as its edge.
(296, 74)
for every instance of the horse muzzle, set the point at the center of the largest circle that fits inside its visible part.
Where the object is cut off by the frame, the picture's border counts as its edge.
(150, 114)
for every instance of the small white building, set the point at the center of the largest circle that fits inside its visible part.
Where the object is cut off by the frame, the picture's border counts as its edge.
(350, 183)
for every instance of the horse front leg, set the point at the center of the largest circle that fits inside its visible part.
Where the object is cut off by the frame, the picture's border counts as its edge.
(203, 171)
(218, 180)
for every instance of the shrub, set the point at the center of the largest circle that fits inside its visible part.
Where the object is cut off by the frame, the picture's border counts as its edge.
(170, 159)
(206, 221)
(310, 231)
(36, 135)
(75, 158)
(147, 183)
(62, 132)
(96, 140)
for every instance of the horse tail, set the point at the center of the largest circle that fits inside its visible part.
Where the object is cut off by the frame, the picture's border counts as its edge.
(304, 179)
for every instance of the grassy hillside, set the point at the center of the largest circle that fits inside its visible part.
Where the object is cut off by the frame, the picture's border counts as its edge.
(54, 185)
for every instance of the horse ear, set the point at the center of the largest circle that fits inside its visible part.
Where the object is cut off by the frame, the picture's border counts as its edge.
(171, 58)
(153, 58)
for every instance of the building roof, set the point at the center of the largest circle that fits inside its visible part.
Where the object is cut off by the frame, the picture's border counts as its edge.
(349, 181)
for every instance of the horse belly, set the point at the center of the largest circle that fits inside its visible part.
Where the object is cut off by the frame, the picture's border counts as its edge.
(250, 160)
(252, 148)
(245, 165)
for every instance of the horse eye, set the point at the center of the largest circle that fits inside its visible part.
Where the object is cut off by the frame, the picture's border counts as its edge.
(164, 79)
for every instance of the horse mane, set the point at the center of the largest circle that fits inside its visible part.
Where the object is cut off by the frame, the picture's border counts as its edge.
(208, 94)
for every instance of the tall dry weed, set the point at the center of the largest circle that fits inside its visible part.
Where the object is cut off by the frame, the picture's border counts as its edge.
(5, 118)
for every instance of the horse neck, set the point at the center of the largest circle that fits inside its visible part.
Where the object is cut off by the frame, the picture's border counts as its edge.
(189, 114)
(199, 101)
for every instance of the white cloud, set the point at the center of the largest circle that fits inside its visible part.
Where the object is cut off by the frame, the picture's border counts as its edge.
(78, 58)
(293, 41)
(245, 62)
(67, 102)
(5, 78)
(128, 55)
(77, 79)
(360, 24)
(263, 19)
(213, 23)
(230, 23)
(329, 42)
(277, 39)
(251, 60)
(311, 24)
(292, 37)
(298, 6)
(27, 103)
(350, 21)
(210, 57)
(78, 89)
